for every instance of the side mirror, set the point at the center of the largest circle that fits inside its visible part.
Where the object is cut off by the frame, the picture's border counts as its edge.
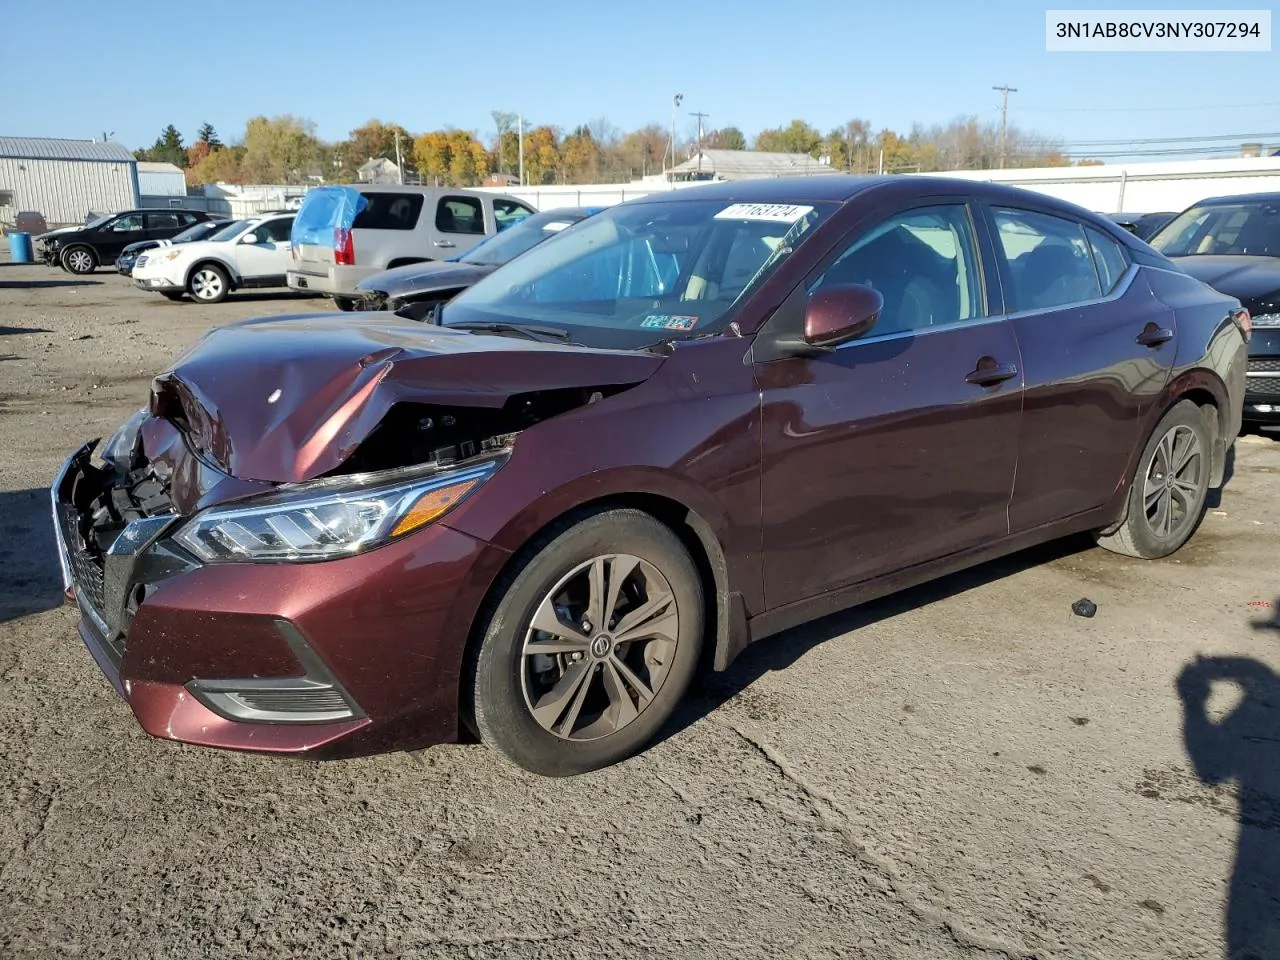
(249, 238)
(841, 312)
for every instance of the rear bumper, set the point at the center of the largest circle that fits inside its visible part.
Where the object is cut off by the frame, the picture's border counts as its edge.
(342, 658)
(336, 281)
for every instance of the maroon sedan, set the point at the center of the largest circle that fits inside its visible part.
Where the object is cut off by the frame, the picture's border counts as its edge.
(678, 427)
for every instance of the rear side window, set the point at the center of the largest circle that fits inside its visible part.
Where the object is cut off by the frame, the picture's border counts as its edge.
(187, 219)
(274, 231)
(1049, 260)
(389, 211)
(162, 221)
(1108, 257)
(460, 215)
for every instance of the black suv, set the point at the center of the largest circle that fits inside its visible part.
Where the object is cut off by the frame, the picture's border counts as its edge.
(83, 249)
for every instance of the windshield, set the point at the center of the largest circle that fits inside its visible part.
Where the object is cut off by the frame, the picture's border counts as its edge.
(196, 231)
(516, 239)
(640, 273)
(230, 230)
(1225, 229)
(97, 221)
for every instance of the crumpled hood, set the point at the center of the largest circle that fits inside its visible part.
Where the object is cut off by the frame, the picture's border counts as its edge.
(288, 399)
(1245, 278)
(418, 278)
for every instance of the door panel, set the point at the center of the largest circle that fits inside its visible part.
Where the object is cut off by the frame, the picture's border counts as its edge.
(899, 447)
(1089, 381)
(881, 455)
(269, 259)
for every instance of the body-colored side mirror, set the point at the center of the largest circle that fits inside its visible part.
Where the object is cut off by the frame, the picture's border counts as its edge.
(249, 238)
(841, 312)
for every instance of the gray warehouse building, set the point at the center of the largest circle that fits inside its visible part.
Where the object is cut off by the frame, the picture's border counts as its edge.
(65, 180)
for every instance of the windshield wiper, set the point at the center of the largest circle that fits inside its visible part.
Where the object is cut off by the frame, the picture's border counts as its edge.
(531, 331)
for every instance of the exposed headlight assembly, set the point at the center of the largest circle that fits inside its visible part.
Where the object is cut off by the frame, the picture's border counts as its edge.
(169, 255)
(119, 449)
(325, 523)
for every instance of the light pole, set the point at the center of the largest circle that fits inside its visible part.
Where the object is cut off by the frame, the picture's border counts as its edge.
(675, 105)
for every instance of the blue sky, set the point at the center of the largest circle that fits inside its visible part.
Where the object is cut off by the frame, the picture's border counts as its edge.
(130, 68)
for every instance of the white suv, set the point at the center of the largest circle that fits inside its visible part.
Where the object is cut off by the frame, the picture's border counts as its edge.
(248, 253)
(346, 233)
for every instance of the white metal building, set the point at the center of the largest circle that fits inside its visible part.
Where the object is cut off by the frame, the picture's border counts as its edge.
(160, 180)
(65, 180)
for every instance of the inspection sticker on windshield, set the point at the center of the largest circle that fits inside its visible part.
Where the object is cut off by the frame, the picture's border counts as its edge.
(776, 212)
(663, 321)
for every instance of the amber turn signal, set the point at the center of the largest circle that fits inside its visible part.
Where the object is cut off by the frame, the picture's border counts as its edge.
(431, 505)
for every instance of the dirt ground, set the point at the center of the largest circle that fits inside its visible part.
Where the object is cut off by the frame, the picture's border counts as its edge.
(966, 769)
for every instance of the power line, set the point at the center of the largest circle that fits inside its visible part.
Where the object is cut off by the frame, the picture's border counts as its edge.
(1230, 137)
(1183, 108)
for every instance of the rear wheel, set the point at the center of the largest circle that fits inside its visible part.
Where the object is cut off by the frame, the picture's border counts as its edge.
(589, 646)
(79, 260)
(208, 283)
(1169, 491)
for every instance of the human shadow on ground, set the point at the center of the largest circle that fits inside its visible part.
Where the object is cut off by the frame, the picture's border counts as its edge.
(30, 574)
(1243, 748)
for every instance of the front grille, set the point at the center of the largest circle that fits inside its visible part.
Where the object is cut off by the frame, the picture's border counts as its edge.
(86, 572)
(1264, 365)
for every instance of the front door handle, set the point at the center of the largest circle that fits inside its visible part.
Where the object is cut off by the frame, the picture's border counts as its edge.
(445, 243)
(989, 373)
(1154, 336)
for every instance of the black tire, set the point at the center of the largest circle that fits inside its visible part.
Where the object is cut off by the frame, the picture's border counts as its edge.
(503, 681)
(173, 295)
(345, 304)
(79, 259)
(1166, 506)
(208, 283)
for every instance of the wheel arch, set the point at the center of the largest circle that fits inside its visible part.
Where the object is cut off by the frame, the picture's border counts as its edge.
(233, 275)
(724, 611)
(406, 261)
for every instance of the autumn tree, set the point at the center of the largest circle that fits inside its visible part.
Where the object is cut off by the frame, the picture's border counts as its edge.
(369, 141)
(506, 144)
(451, 157)
(541, 155)
(281, 149)
(580, 157)
(218, 166)
(797, 137)
(726, 138)
(642, 150)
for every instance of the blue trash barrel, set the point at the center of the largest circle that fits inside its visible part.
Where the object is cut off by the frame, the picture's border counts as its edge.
(20, 250)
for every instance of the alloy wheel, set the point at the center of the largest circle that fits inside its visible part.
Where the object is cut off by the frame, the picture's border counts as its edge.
(206, 285)
(599, 647)
(80, 261)
(1171, 489)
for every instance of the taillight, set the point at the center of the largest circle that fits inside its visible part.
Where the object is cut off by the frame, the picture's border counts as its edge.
(1244, 322)
(344, 248)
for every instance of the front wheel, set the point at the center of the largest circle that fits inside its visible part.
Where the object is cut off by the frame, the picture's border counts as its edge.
(589, 646)
(345, 304)
(209, 284)
(79, 260)
(1168, 494)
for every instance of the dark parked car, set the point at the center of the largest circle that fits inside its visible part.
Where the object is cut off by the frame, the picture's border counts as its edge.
(1233, 244)
(102, 240)
(198, 231)
(416, 288)
(685, 424)
(1142, 225)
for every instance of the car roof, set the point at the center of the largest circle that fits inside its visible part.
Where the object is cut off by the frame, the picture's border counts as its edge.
(1239, 198)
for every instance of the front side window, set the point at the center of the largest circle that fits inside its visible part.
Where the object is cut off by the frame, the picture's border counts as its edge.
(1049, 260)
(639, 273)
(922, 262)
(460, 215)
(129, 224)
(1222, 229)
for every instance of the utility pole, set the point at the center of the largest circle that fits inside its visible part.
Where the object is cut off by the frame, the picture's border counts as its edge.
(675, 105)
(520, 137)
(1004, 117)
(701, 117)
(399, 163)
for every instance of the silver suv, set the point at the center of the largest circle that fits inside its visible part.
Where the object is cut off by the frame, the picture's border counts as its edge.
(343, 234)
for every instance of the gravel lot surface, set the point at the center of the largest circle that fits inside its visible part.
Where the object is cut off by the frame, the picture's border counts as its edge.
(966, 769)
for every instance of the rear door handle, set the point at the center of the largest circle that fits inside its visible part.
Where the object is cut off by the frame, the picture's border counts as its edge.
(445, 243)
(1153, 336)
(988, 373)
